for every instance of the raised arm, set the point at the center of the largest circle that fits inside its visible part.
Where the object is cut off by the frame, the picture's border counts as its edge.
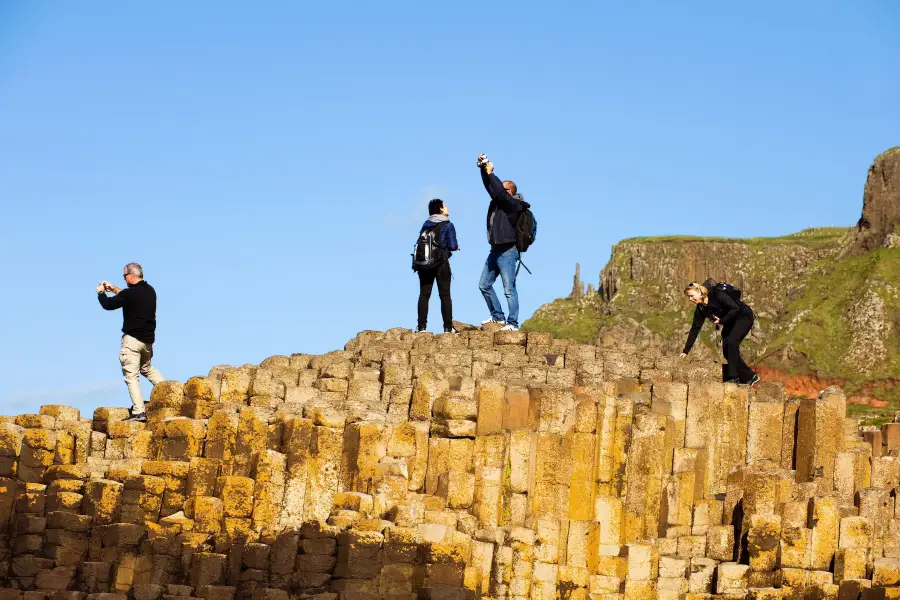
(498, 193)
(113, 302)
(486, 180)
(695, 330)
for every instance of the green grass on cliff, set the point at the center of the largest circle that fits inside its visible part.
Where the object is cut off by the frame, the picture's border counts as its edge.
(819, 236)
(823, 318)
(577, 320)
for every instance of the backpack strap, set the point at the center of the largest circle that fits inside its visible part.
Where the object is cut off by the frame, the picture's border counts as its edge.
(437, 233)
(437, 229)
(521, 264)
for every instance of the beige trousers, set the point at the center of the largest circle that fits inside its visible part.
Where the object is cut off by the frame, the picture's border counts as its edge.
(135, 357)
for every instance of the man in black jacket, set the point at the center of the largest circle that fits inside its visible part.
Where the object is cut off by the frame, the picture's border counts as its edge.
(138, 304)
(502, 214)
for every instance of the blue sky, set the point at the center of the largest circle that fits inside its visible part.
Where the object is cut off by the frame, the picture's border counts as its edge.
(270, 165)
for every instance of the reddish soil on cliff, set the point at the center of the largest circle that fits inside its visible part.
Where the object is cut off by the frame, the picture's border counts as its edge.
(809, 386)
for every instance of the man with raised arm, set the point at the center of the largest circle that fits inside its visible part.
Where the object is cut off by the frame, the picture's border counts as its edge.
(503, 212)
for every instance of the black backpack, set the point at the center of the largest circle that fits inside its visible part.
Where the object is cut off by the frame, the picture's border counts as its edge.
(428, 253)
(733, 292)
(526, 228)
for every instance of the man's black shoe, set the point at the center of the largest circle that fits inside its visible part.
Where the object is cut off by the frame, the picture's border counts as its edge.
(137, 417)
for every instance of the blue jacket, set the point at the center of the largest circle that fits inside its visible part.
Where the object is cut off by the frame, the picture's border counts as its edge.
(503, 211)
(447, 236)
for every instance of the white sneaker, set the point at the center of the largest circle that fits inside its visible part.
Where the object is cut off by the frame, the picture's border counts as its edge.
(509, 328)
(492, 320)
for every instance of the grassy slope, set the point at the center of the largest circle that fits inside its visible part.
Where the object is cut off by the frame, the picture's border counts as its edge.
(823, 330)
(581, 319)
(564, 318)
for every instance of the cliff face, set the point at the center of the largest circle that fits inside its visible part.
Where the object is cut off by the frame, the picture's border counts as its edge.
(879, 226)
(766, 270)
(496, 465)
(640, 295)
(827, 300)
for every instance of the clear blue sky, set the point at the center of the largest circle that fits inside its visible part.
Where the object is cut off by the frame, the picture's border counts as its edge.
(270, 164)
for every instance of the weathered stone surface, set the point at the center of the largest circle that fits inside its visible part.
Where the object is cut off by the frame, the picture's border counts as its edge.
(732, 578)
(765, 419)
(825, 520)
(401, 473)
(817, 444)
(720, 543)
(763, 541)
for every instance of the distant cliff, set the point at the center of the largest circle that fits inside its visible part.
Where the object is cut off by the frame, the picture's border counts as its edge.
(827, 300)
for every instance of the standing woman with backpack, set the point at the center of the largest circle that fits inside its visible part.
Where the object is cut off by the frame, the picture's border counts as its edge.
(721, 304)
(431, 260)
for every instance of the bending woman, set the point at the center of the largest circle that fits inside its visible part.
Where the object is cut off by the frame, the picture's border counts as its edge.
(736, 319)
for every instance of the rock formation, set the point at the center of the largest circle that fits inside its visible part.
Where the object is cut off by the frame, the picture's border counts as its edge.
(501, 465)
(879, 226)
(577, 284)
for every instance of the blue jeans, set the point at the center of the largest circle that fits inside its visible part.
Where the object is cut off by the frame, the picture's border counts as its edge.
(502, 263)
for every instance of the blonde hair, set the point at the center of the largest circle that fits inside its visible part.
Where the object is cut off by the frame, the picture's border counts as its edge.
(696, 286)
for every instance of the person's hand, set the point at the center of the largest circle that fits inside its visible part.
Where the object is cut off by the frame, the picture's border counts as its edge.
(101, 288)
(489, 167)
(106, 286)
(716, 320)
(683, 355)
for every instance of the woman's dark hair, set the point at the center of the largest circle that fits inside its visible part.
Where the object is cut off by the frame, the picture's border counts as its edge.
(435, 206)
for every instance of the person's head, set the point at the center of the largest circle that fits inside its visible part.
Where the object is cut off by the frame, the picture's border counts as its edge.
(133, 273)
(437, 207)
(510, 187)
(696, 293)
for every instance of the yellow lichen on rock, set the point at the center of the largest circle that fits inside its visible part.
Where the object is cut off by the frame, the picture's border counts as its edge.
(503, 465)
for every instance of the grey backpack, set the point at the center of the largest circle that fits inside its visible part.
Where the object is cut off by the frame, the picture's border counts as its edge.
(428, 253)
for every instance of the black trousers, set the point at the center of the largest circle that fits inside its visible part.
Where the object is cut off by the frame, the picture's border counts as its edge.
(426, 283)
(732, 336)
